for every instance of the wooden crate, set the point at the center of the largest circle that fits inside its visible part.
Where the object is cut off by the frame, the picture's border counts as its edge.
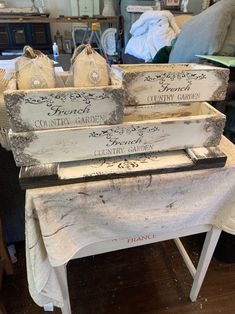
(202, 126)
(63, 107)
(168, 83)
(119, 166)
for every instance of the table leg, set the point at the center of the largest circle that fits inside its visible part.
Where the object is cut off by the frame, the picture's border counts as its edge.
(62, 277)
(209, 245)
(4, 254)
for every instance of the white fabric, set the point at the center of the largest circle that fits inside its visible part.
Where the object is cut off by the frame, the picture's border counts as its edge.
(152, 31)
(62, 220)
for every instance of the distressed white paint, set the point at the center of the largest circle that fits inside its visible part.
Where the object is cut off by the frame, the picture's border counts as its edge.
(123, 165)
(203, 152)
(185, 257)
(137, 240)
(209, 246)
(168, 83)
(64, 107)
(48, 146)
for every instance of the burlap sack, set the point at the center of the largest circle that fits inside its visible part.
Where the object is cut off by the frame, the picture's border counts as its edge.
(34, 70)
(89, 68)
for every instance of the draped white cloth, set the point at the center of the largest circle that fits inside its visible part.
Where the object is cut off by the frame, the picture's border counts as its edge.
(152, 31)
(62, 220)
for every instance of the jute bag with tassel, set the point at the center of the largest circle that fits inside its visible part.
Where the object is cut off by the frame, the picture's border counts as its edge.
(89, 68)
(34, 70)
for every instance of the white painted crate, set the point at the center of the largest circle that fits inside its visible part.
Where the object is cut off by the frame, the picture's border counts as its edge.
(54, 108)
(146, 84)
(199, 125)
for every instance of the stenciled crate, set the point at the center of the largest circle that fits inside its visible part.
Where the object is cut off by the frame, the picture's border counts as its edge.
(56, 108)
(196, 125)
(146, 84)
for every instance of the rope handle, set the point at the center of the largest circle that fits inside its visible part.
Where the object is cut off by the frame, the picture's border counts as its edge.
(88, 49)
(29, 52)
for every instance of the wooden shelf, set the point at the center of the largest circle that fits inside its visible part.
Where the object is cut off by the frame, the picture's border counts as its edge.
(60, 19)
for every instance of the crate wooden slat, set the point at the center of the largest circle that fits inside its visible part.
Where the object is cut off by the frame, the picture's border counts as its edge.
(159, 83)
(143, 112)
(203, 127)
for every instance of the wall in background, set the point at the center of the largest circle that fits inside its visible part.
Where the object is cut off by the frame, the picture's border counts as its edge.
(56, 8)
(195, 6)
(63, 7)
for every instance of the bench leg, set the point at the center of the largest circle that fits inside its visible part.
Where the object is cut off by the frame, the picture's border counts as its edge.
(209, 245)
(62, 276)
